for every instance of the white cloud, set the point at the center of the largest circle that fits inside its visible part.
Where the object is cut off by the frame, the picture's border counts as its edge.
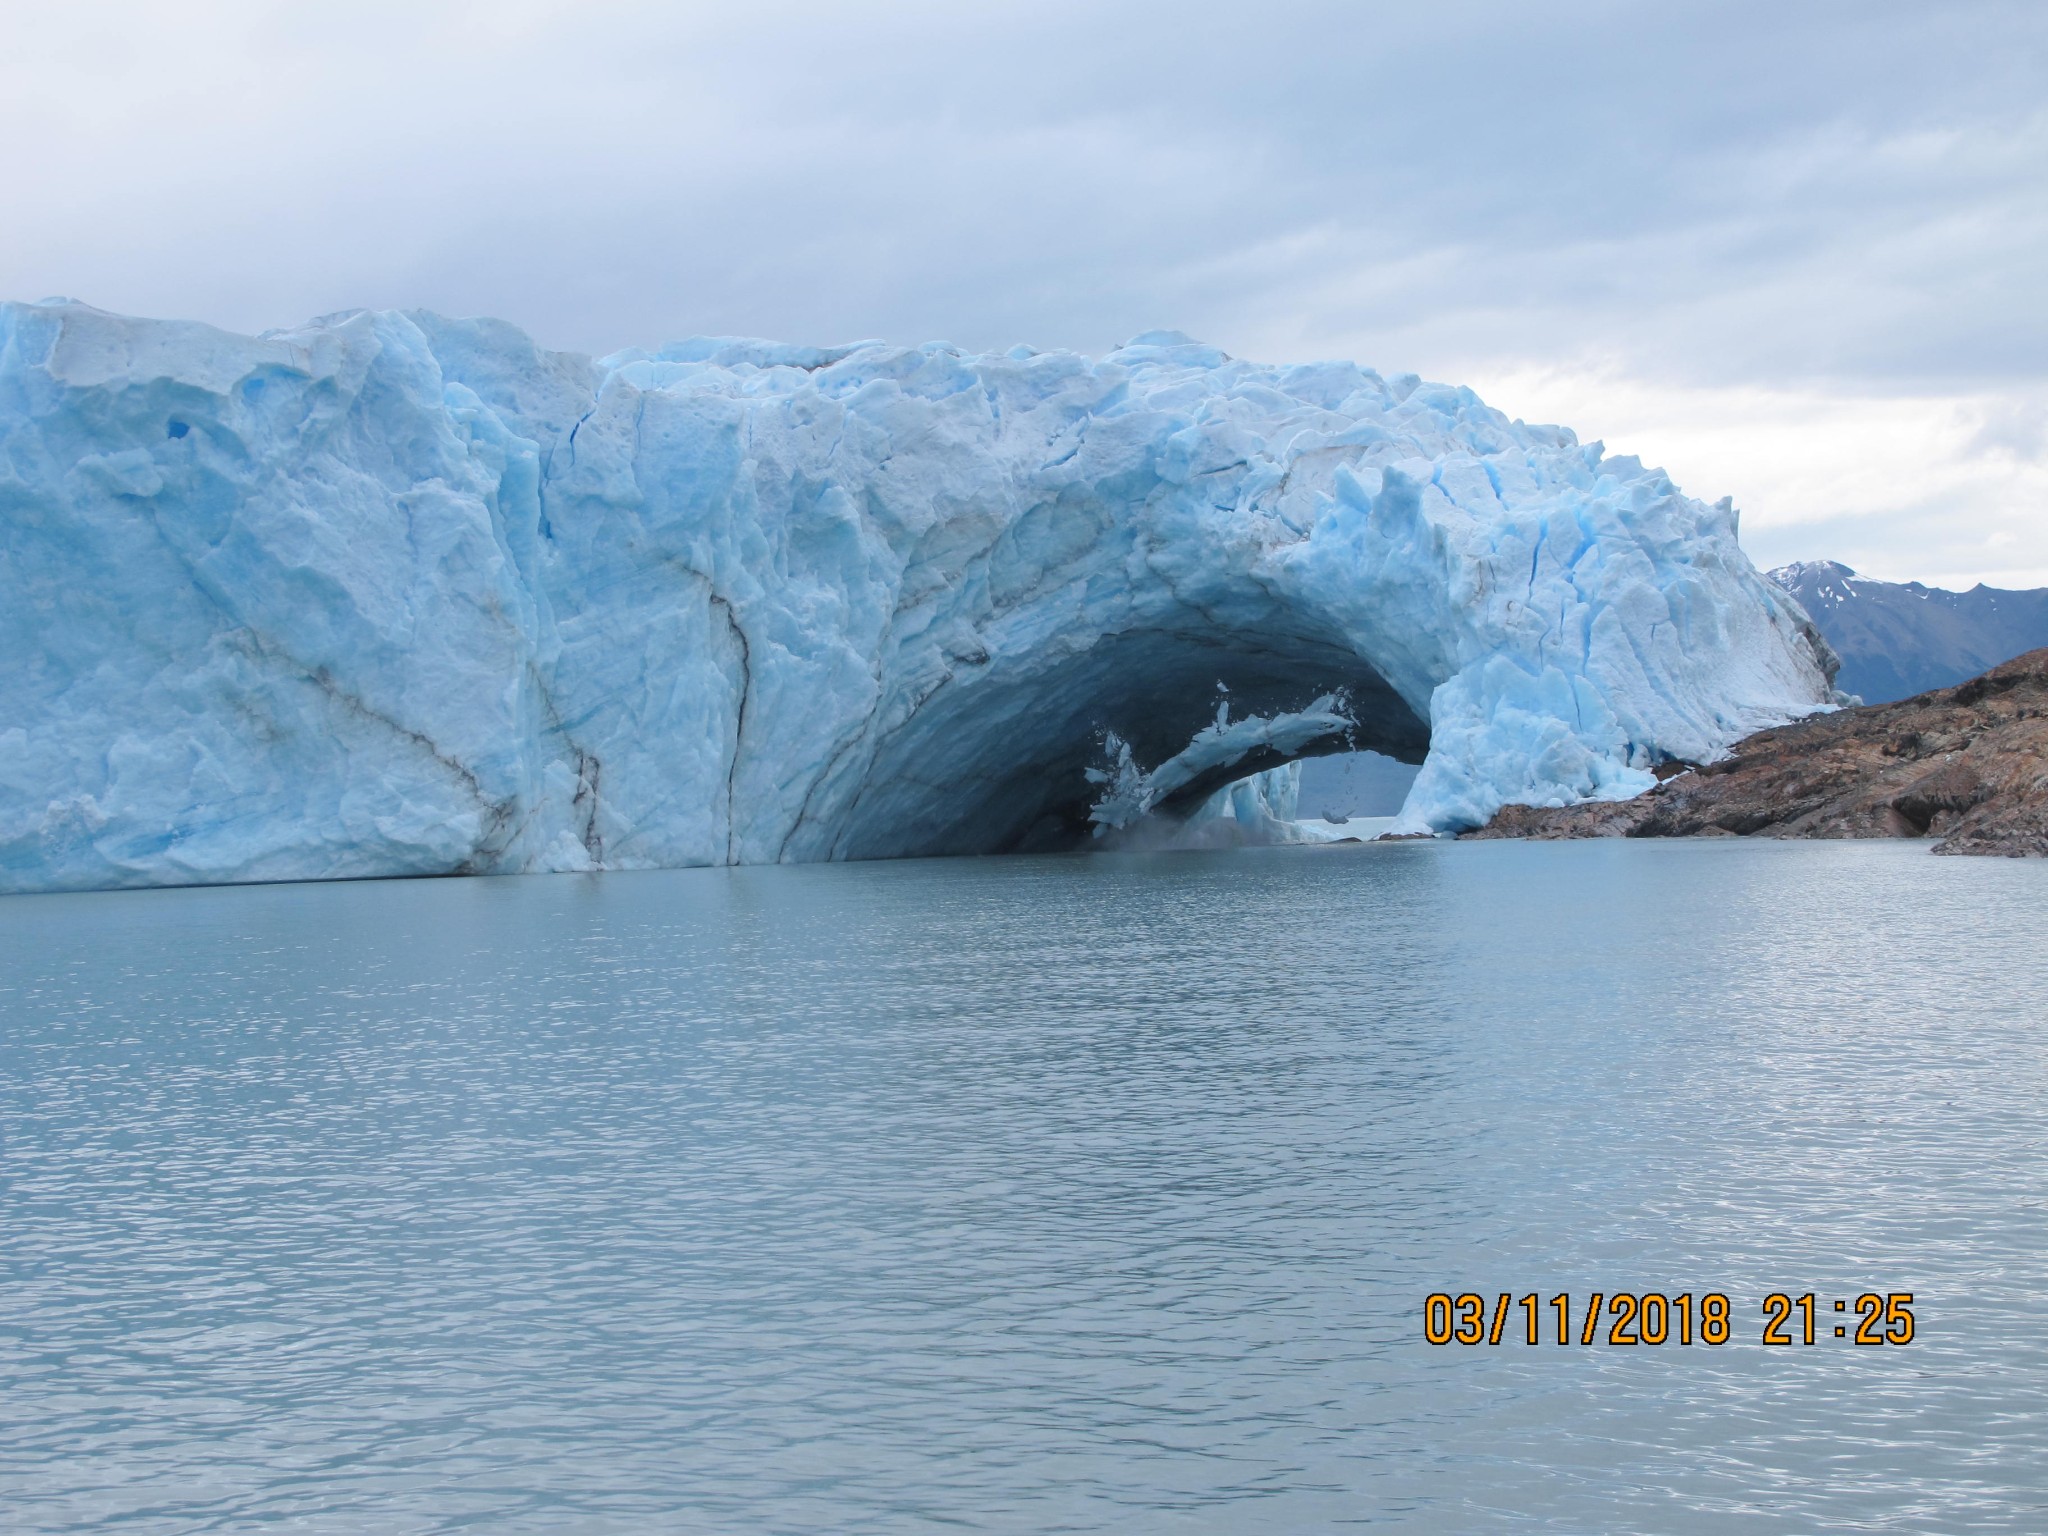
(1902, 488)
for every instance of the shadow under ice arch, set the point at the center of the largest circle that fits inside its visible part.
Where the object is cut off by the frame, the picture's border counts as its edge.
(398, 594)
(1000, 765)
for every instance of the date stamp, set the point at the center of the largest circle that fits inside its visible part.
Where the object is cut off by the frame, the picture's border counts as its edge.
(1624, 1319)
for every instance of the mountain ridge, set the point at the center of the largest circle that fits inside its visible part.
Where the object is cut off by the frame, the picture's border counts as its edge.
(1898, 639)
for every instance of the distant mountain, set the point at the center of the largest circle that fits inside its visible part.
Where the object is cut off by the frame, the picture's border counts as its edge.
(1898, 639)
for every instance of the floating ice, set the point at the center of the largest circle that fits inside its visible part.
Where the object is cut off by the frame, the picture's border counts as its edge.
(1258, 811)
(395, 594)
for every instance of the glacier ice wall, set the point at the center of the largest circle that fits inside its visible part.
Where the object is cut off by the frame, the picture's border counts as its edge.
(395, 594)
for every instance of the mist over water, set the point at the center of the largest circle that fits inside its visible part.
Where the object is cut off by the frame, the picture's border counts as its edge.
(1068, 1193)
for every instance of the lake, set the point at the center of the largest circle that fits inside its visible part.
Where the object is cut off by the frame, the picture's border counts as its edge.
(1039, 1194)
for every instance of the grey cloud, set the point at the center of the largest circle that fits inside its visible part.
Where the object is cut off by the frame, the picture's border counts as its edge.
(1850, 192)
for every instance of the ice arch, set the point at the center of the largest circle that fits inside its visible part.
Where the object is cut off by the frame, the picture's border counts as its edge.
(1003, 764)
(396, 594)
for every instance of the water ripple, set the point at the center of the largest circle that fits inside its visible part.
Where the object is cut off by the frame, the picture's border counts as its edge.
(1076, 1194)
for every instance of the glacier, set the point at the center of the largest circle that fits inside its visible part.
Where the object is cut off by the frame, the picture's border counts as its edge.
(395, 594)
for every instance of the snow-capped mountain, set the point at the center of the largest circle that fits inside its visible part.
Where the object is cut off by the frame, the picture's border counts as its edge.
(1897, 639)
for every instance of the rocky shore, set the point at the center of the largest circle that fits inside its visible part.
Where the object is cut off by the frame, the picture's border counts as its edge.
(1966, 766)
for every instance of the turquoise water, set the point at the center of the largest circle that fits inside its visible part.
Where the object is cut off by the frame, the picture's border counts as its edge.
(1077, 1194)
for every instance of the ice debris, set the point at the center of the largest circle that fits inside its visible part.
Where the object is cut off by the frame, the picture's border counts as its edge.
(1220, 753)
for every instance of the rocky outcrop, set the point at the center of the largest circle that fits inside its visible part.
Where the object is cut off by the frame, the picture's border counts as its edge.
(1966, 765)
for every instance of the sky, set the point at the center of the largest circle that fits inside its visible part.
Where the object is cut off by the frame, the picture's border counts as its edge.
(1795, 253)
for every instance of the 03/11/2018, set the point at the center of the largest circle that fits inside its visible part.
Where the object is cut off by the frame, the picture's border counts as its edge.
(1653, 1317)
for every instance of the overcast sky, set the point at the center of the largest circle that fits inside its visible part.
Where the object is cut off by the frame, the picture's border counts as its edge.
(1795, 252)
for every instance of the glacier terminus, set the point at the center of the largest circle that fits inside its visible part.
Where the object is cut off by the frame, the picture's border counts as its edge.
(394, 594)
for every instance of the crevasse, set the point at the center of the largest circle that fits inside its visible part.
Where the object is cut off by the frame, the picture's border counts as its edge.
(396, 594)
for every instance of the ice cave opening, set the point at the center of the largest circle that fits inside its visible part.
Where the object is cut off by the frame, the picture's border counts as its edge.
(1028, 760)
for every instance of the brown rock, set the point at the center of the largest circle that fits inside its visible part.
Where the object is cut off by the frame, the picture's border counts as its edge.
(1967, 765)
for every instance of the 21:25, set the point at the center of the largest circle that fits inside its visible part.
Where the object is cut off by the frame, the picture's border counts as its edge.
(1894, 1311)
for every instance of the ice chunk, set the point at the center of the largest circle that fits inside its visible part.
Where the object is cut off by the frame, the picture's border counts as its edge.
(1217, 756)
(1253, 812)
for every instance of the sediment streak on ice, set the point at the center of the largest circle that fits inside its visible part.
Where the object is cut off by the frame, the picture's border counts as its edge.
(395, 594)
